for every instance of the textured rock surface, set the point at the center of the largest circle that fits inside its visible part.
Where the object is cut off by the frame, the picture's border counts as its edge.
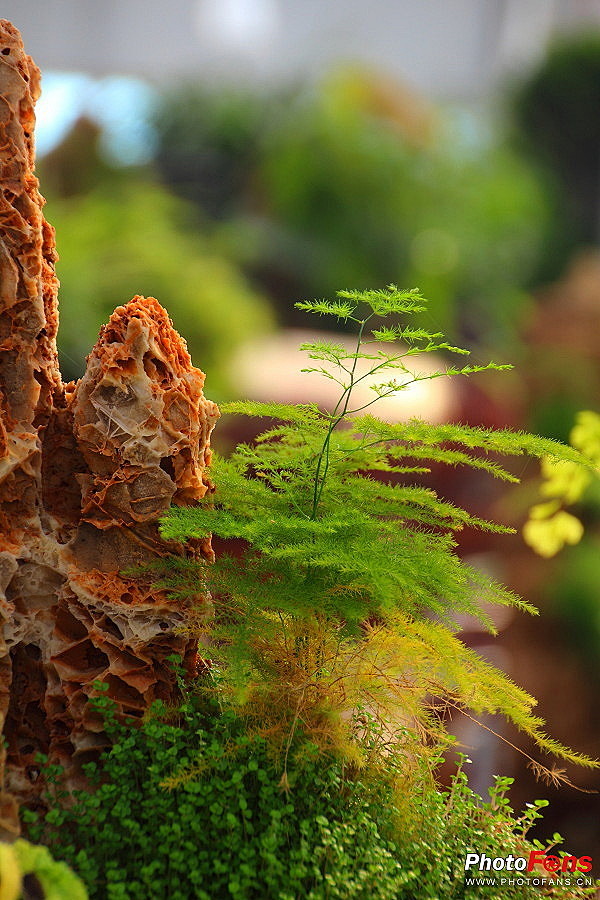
(86, 469)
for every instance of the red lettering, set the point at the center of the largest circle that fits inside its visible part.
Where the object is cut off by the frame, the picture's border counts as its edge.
(554, 864)
(569, 864)
(551, 864)
(536, 858)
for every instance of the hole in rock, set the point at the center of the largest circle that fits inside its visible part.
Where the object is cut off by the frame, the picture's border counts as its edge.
(68, 626)
(155, 368)
(168, 466)
(60, 728)
(124, 693)
(83, 658)
(127, 661)
(35, 716)
(26, 728)
(110, 627)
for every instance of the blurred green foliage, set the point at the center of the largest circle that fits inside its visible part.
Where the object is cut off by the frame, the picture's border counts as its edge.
(209, 145)
(119, 233)
(29, 872)
(556, 116)
(574, 596)
(356, 182)
(573, 588)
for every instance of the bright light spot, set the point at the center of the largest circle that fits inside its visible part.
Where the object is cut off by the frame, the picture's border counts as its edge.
(276, 376)
(122, 107)
(119, 105)
(59, 107)
(243, 26)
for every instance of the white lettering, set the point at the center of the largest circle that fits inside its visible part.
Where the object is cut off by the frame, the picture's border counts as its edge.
(471, 859)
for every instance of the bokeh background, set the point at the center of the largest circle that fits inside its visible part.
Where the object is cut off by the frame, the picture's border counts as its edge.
(233, 156)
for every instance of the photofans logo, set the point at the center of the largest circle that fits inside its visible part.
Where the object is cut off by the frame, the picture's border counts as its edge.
(538, 869)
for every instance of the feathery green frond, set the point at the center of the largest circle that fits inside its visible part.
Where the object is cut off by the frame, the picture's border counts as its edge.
(348, 582)
(387, 301)
(326, 308)
(300, 413)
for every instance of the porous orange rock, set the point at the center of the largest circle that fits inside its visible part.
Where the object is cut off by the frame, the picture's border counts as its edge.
(86, 470)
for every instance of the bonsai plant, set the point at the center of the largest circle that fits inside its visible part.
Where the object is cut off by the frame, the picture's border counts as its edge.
(301, 762)
(348, 584)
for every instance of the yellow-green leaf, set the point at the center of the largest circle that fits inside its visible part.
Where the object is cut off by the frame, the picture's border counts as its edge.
(548, 536)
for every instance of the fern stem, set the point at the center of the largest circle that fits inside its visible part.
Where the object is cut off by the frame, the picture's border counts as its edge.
(323, 460)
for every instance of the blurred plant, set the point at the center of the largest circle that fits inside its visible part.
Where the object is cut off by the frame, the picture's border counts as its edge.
(550, 527)
(573, 590)
(28, 872)
(574, 599)
(556, 113)
(209, 145)
(121, 232)
(357, 182)
(134, 236)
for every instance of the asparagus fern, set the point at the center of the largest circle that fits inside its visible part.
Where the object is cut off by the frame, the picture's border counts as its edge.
(349, 582)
